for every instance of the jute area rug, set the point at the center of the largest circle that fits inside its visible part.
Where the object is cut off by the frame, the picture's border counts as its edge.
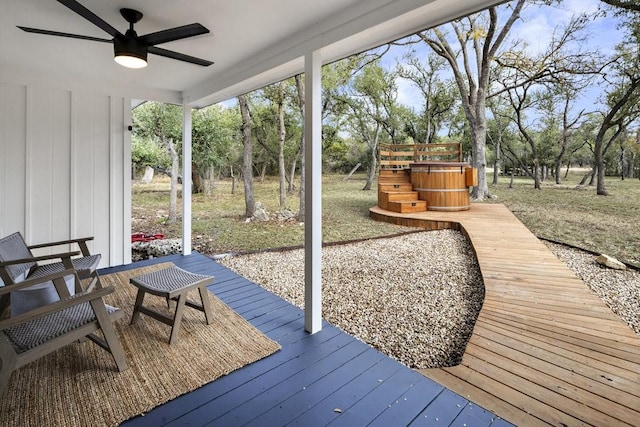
(79, 385)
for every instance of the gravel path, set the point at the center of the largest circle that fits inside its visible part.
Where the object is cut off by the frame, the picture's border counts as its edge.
(415, 297)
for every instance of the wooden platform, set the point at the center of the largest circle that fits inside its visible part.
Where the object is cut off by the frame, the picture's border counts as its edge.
(545, 349)
(314, 380)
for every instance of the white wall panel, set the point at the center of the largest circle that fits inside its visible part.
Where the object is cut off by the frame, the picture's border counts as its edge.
(13, 125)
(64, 159)
(47, 166)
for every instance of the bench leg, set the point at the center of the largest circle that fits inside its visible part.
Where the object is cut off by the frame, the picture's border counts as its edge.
(138, 304)
(206, 304)
(177, 318)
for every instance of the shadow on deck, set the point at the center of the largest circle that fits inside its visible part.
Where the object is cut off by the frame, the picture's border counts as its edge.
(545, 349)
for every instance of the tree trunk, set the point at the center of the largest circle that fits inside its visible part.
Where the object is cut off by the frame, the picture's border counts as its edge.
(263, 172)
(292, 173)
(496, 162)
(173, 194)
(301, 94)
(371, 172)
(373, 152)
(247, 158)
(536, 175)
(479, 159)
(592, 176)
(196, 179)
(282, 134)
(148, 175)
(233, 181)
(355, 168)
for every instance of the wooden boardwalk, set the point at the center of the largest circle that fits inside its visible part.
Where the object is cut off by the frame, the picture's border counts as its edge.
(328, 378)
(545, 349)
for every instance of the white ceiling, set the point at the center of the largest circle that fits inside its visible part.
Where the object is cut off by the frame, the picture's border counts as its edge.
(252, 42)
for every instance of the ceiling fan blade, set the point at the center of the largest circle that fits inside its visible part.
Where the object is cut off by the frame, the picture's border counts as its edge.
(91, 17)
(179, 56)
(57, 33)
(172, 34)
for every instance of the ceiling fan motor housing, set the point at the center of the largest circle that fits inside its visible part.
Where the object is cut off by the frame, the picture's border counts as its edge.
(130, 46)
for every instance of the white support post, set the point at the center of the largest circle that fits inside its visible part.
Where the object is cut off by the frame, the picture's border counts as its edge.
(313, 194)
(186, 179)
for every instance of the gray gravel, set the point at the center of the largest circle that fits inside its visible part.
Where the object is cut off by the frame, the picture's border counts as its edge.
(620, 290)
(415, 297)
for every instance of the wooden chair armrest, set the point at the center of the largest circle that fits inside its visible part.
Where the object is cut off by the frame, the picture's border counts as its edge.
(81, 242)
(60, 242)
(30, 282)
(60, 305)
(61, 255)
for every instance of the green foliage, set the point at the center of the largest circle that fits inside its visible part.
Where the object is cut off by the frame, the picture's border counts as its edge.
(158, 120)
(145, 152)
(217, 139)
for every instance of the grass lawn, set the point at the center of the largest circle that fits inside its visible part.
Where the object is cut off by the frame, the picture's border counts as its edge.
(562, 213)
(576, 215)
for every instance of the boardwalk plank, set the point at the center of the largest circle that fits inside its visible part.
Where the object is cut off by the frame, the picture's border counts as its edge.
(545, 348)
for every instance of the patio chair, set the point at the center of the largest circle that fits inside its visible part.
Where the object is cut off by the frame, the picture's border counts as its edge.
(18, 263)
(38, 332)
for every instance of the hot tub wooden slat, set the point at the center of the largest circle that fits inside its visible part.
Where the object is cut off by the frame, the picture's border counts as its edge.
(443, 185)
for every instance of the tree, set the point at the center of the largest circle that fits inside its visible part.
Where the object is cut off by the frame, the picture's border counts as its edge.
(498, 132)
(539, 83)
(216, 136)
(631, 5)
(163, 123)
(301, 95)
(568, 125)
(372, 112)
(247, 158)
(479, 38)
(622, 98)
(439, 96)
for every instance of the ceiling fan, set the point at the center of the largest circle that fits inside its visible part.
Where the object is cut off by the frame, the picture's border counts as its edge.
(130, 50)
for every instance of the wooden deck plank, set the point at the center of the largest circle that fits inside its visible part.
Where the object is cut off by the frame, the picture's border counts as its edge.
(403, 411)
(508, 408)
(222, 397)
(325, 386)
(331, 407)
(545, 349)
(446, 408)
(328, 365)
(362, 413)
(284, 382)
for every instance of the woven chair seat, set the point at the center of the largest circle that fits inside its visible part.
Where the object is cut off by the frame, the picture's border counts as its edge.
(28, 335)
(83, 266)
(168, 280)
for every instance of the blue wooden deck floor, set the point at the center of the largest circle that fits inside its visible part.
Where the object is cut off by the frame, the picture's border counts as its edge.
(328, 378)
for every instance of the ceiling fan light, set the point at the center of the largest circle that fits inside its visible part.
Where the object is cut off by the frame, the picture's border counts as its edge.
(130, 61)
(130, 53)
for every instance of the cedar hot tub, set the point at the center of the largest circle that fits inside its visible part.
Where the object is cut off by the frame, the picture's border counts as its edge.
(443, 185)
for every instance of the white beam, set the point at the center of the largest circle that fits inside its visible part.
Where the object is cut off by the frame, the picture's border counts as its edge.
(186, 179)
(313, 194)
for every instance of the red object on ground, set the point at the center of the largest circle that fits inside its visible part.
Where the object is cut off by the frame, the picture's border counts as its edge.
(144, 237)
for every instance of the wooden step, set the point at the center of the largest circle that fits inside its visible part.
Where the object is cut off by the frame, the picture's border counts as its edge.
(406, 206)
(400, 186)
(398, 196)
(394, 176)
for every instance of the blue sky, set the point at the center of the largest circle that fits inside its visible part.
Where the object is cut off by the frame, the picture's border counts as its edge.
(535, 29)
